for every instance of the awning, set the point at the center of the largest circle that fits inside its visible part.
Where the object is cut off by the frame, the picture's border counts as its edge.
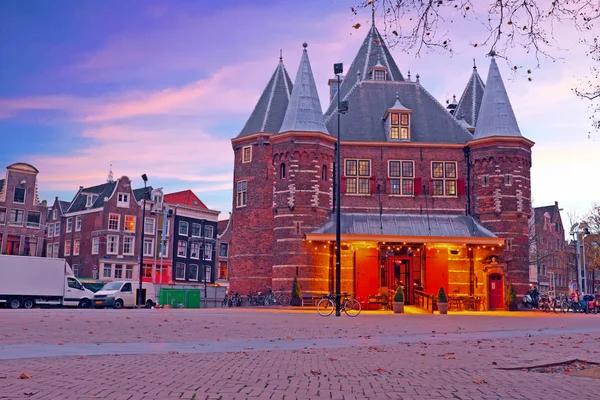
(411, 228)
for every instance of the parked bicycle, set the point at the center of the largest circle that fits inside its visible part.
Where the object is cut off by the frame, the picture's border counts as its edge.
(234, 300)
(274, 298)
(349, 305)
(254, 299)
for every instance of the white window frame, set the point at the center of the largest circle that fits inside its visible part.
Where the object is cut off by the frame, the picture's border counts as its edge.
(129, 240)
(195, 250)
(184, 255)
(118, 222)
(445, 179)
(76, 247)
(34, 225)
(50, 230)
(55, 250)
(54, 214)
(118, 271)
(76, 270)
(123, 200)
(24, 195)
(177, 277)
(95, 245)
(78, 224)
(187, 228)
(192, 234)
(207, 252)
(197, 272)
(244, 158)
(125, 224)
(168, 228)
(57, 229)
(207, 273)
(357, 178)
(16, 223)
(89, 200)
(105, 268)
(116, 243)
(67, 249)
(49, 250)
(241, 195)
(146, 232)
(226, 249)
(209, 228)
(69, 226)
(129, 272)
(151, 252)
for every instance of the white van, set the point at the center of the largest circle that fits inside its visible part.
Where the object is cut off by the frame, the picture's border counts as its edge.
(119, 294)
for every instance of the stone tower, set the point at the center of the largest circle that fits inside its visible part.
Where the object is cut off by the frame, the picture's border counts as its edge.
(500, 159)
(251, 258)
(303, 153)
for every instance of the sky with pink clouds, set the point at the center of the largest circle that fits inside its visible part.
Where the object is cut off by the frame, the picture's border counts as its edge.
(161, 87)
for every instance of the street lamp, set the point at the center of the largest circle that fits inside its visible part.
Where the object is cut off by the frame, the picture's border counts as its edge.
(140, 296)
(342, 108)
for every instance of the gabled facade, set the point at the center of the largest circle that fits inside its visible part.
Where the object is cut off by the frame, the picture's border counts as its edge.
(426, 203)
(22, 215)
(53, 245)
(223, 249)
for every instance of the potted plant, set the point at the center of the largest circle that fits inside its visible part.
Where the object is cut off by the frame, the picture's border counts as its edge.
(442, 301)
(511, 298)
(398, 302)
(296, 293)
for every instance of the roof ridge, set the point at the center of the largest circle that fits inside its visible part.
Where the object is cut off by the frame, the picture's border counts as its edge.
(267, 112)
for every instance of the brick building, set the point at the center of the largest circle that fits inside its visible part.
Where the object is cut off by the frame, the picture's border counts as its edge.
(54, 225)
(429, 199)
(223, 244)
(22, 215)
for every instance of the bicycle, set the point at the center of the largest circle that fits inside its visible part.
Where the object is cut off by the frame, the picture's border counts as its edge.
(278, 297)
(349, 305)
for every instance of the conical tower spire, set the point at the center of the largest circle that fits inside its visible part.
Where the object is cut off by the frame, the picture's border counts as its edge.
(470, 102)
(271, 106)
(304, 113)
(496, 116)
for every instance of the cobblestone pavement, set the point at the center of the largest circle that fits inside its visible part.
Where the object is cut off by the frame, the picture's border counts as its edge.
(283, 354)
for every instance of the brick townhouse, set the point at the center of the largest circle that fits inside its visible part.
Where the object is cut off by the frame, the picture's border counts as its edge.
(22, 215)
(223, 243)
(430, 198)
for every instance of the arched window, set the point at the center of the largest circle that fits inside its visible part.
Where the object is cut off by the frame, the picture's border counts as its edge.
(324, 173)
(282, 171)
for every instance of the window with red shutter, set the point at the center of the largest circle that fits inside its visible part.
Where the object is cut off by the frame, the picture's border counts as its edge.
(418, 186)
(373, 185)
(462, 187)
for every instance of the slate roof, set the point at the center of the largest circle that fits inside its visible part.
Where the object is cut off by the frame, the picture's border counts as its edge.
(64, 206)
(222, 226)
(1, 184)
(372, 50)
(540, 211)
(369, 101)
(186, 197)
(269, 111)
(496, 116)
(304, 112)
(470, 102)
(404, 225)
(103, 190)
(139, 193)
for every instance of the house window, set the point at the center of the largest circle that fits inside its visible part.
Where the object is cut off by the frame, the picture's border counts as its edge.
(379, 75)
(207, 273)
(241, 197)
(55, 250)
(2, 216)
(247, 154)
(148, 247)
(88, 200)
(112, 244)
(208, 231)
(33, 219)
(507, 180)
(107, 271)
(76, 270)
(399, 124)
(77, 224)
(207, 251)
(182, 248)
(57, 229)
(195, 250)
(223, 250)
(114, 222)
(196, 230)
(67, 248)
(358, 176)
(223, 270)
(69, 225)
(282, 171)
(19, 196)
(149, 226)
(324, 173)
(49, 250)
(129, 272)
(444, 178)
(95, 245)
(123, 200)
(16, 217)
(50, 230)
(119, 272)
(129, 223)
(485, 180)
(401, 175)
(13, 244)
(76, 245)
(128, 245)
(54, 214)
(180, 271)
(193, 272)
(183, 228)
(30, 245)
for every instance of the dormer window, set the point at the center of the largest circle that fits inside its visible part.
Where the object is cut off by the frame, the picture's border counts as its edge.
(123, 200)
(379, 72)
(90, 199)
(398, 121)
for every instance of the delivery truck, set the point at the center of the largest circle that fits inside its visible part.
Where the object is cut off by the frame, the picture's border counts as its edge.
(29, 281)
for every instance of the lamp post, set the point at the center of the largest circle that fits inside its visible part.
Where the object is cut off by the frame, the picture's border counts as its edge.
(139, 294)
(342, 107)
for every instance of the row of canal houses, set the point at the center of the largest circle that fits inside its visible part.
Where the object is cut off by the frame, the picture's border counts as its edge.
(99, 232)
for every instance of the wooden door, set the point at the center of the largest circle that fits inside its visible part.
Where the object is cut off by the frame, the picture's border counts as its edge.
(367, 273)
(496, 292)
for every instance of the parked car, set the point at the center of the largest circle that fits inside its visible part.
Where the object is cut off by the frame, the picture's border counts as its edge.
(120, 294)
(91, 284)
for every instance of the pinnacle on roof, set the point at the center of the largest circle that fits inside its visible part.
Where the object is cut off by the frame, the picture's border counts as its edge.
(271, 106)
(397, 105)
(304, 113)
(470, 101)
(496, 116)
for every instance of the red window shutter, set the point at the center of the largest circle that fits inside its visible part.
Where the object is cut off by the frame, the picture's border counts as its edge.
(431, 187)
(373, 185)
(462, 187)
(343, 185)
(388, 188)
(418, 186)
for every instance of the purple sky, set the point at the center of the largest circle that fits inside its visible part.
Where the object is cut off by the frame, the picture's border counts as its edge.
(161, 87)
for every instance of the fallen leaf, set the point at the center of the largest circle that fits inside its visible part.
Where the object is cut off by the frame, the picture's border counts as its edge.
(380, 370)
(494, 363)
(479, 381)
(60, 343)
(25, 376)
(315, 372)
